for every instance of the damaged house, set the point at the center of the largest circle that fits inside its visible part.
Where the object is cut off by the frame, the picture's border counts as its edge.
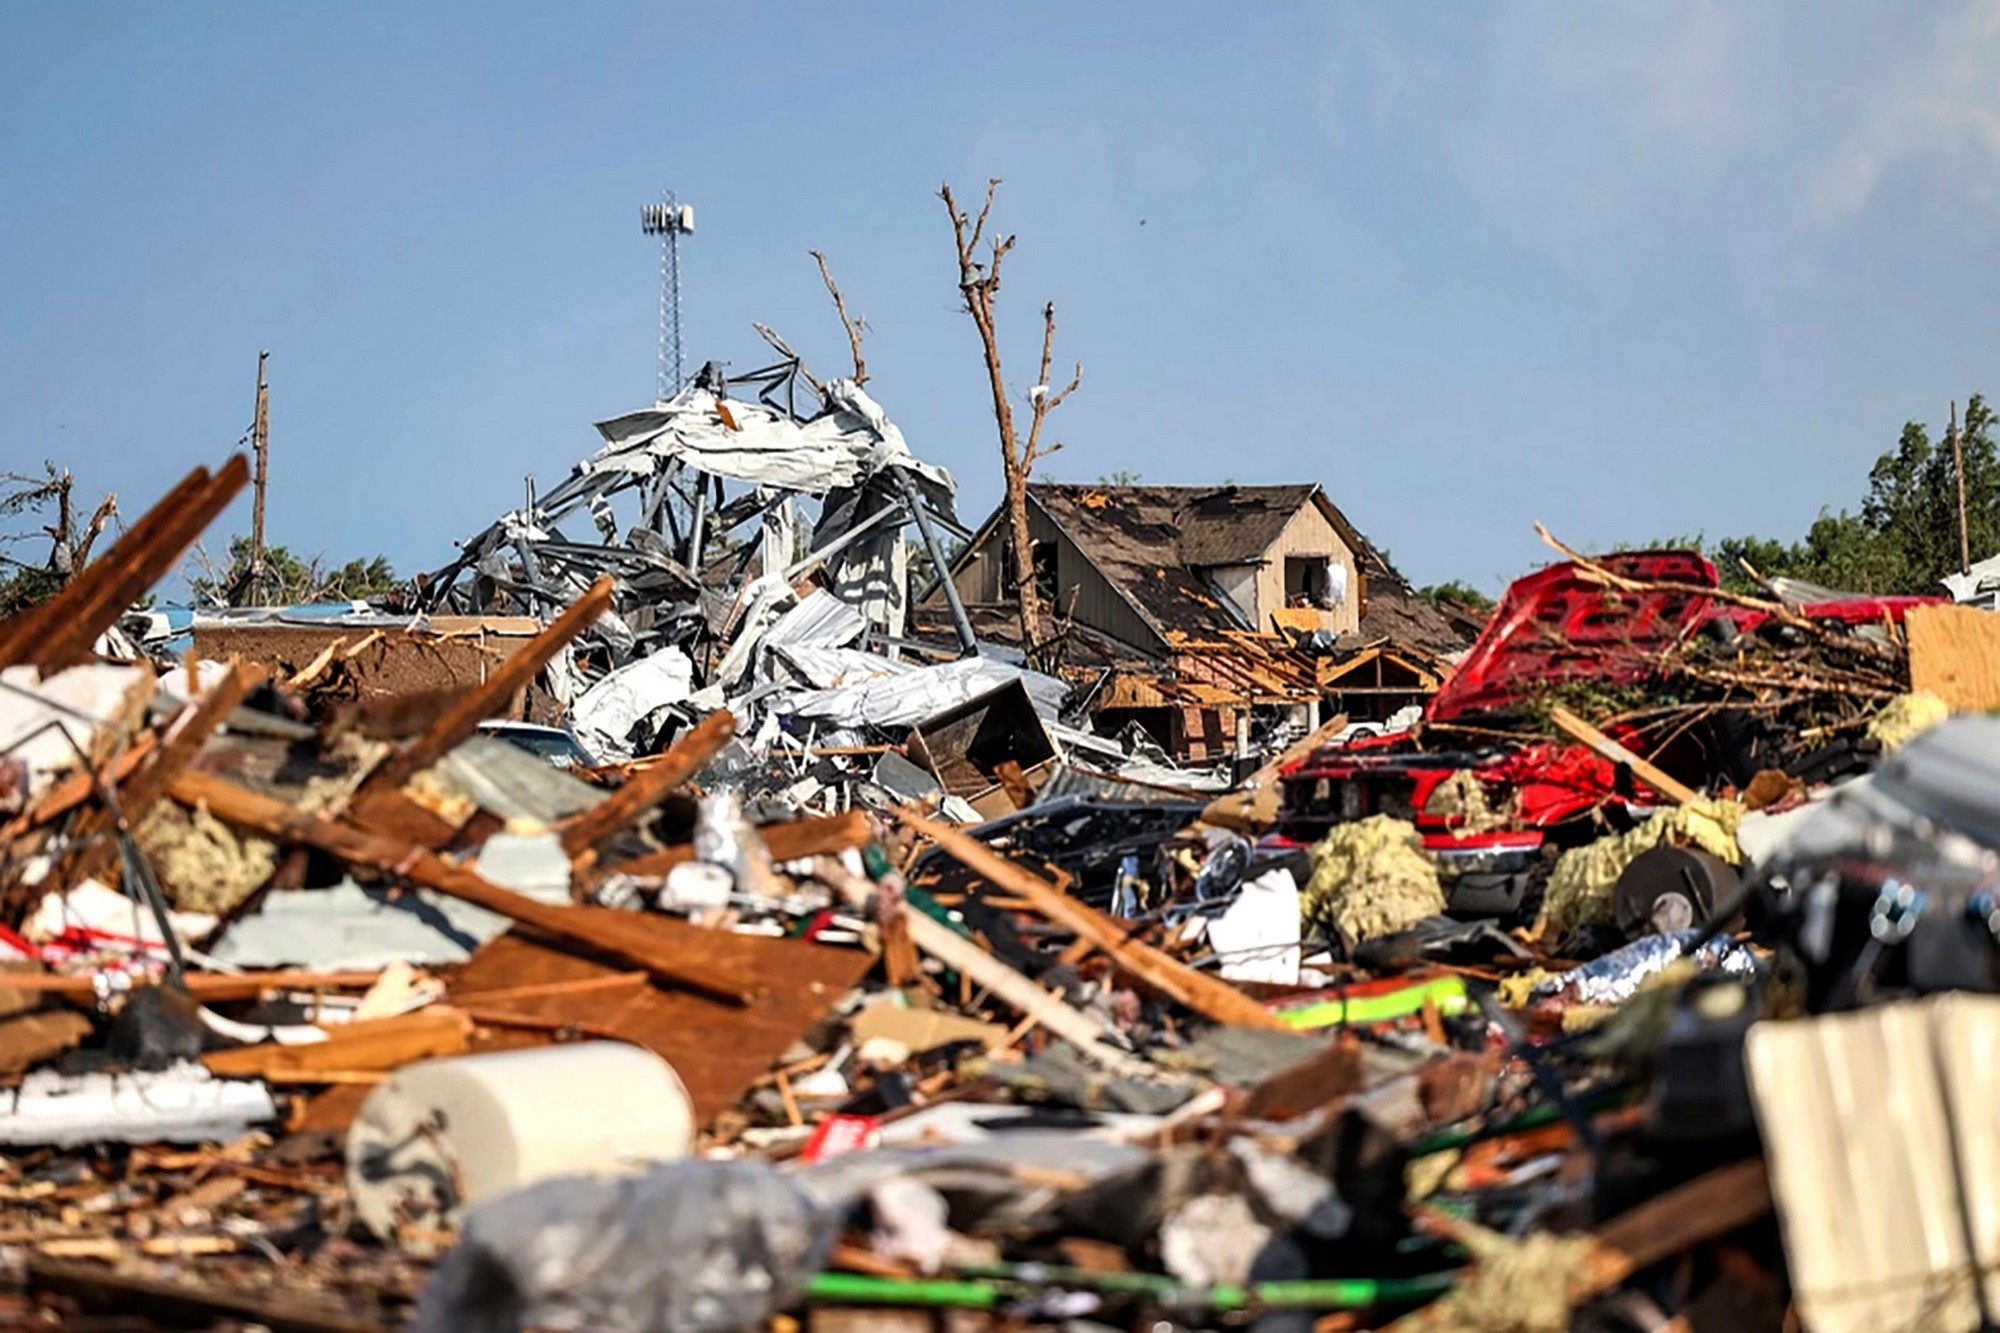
(1202, 607)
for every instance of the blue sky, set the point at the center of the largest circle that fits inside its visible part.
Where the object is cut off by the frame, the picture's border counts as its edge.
(1632, 270)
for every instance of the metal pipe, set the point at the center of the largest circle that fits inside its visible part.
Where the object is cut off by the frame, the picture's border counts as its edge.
(968, 645)
(695, 524)
(845, 540)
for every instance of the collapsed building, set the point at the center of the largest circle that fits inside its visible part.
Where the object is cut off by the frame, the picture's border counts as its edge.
(1194, 610)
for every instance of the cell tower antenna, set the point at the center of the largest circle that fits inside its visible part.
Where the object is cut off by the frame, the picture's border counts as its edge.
(669, 220)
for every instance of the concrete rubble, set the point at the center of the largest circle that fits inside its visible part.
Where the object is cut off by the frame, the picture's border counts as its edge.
(714, 942)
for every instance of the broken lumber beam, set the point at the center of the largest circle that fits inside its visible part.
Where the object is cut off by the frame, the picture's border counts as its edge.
(30, 627)
(201, 985)
(77, 788)
(1703, 1209)
(275, 819)
(372, 1046)
(1208, 996)
(474, 706)
(1644, 769)
(961, 955)
(1693, 1213)
(689, 754)
(792, 840)
(129, 572)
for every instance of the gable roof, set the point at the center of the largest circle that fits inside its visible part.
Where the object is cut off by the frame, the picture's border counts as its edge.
(1154, 542)
(1206, 525)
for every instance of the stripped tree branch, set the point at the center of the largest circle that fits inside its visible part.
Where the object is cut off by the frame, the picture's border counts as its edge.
(1039, 398)
(854, 327)
(977, 287)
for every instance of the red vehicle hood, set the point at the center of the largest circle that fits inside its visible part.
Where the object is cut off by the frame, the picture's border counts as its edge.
(1558, 625)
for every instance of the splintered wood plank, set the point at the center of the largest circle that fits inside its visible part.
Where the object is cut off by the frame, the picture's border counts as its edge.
(31, 625)
(1206, 995)
(185, 1304)
(719, 1050)
(1647, 772)
(129, 573)
(618, 934)
(374, 1046)
(1955, 654)
(474, 706)
(688, 755)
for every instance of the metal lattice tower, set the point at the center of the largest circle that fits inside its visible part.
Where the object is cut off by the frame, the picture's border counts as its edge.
(669, 220)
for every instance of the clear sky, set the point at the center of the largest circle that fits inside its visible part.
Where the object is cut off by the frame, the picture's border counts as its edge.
(1634, 270)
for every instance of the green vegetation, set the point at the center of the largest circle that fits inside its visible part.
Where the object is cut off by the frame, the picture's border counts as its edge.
(1457, 593)
(289, 579)
(1904, 537)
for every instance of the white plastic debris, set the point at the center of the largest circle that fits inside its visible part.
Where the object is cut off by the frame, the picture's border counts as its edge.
(1257, 936)
(182, 1104)
(39, 719)
(93, 907)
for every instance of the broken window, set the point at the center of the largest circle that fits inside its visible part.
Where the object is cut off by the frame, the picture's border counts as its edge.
(1314, 580)
(1044, 555)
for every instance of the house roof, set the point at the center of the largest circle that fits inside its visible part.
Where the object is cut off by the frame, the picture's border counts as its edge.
(1154, 542)
(1395, 612)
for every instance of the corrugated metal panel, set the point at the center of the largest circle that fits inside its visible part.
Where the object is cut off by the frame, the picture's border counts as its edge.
(513, 784)
(820, 619)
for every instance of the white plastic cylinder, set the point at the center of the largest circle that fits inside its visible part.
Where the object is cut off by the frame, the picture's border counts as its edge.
(438, 1136)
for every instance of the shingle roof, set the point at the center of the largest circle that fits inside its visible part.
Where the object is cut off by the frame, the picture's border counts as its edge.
(1153, 541)
(1206, 525)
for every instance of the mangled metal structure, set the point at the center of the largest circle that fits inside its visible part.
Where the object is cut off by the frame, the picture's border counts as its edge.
(780, 439)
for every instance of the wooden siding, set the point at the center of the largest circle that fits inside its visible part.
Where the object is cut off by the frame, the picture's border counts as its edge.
(1082, 592)
(1309, 534)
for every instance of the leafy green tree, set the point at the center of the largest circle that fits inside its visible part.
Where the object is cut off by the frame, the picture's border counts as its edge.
(1904, 538)
(69, 541)
(1456, 593)
(289, 579)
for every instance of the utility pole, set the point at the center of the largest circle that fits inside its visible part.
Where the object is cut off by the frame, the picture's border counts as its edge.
(1958, 465)
(261, 444)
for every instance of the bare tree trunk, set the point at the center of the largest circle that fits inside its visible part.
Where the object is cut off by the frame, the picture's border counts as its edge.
(107, 509)
(978, 285)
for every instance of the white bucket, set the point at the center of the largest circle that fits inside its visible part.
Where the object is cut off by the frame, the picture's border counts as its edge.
(438, 1136)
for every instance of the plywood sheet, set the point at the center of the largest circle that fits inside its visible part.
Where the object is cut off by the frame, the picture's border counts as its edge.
(1871, 1122)
(1955, 654)
(718, 1049)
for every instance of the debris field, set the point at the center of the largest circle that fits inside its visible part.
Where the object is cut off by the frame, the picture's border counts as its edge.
(696, 907)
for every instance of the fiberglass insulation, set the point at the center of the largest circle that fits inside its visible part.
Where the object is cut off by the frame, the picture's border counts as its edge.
(1370, 879)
